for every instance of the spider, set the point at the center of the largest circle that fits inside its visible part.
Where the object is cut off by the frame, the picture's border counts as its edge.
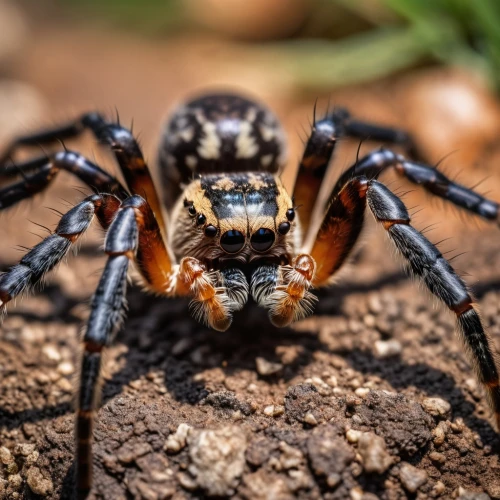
(232, 232)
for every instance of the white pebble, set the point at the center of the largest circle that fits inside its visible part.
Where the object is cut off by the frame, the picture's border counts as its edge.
(362, 392)
(411, 477)
(265, 367)
(310, 419)
(175, 442)
(436, 406)
(65, 368)
(373, 451)
(387, 348)
(353, 435)
(51, 352)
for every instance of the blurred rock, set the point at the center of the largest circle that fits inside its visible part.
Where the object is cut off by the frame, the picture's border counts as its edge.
(450, 112)
(411, 477)
(256, 20)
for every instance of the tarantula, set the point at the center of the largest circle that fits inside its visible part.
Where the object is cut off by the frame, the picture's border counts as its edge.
(233, 232)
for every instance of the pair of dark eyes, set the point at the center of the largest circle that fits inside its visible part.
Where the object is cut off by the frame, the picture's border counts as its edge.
(232, 241)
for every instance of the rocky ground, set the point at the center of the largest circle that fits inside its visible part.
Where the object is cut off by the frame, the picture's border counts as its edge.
(372, 397)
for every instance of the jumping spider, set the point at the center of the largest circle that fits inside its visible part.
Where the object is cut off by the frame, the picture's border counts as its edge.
(233, 231)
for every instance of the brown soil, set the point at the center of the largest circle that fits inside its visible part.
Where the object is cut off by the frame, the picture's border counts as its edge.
(284, 426)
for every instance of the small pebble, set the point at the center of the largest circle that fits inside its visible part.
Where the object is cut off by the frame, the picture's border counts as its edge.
(362, 392)
(265, 367)
(186, 481)
(438, 489)
(290, 457)
(369, 320)
(310, 419)
(37, 483)
(175, 442)
(15, 481)
(323, 388)
(437, 457)
(439, 433)
(437, 407)
(458, 426)
(25, 449)
(333, 479)
(463, 494)
(411, 477)
(65, 368)
(353, 436)
(387, 348)
(375, 304)
(274, 410)
(51, 352)
(373, 452)
(5, 455)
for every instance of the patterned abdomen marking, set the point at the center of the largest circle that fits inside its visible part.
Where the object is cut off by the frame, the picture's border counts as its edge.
(219, 133)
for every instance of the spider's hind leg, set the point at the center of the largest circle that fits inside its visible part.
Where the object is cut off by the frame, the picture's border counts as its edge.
(122, 142)
(424, 261)
(40, 172)
(427, 263)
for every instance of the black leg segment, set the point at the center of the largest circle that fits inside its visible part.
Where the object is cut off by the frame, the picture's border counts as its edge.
(427, 263)
(319, 151)
(43, 257)
(44, 171)
(107, 313)
(431, 179)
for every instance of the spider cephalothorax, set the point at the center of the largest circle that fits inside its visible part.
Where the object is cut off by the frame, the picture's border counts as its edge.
(232, 231)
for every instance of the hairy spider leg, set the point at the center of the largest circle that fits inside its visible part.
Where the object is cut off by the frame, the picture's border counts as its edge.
(431, 179)
(129, 156)
(40, 172)
(424, 261)
(43, 257)
(122, 143)
(319, 150)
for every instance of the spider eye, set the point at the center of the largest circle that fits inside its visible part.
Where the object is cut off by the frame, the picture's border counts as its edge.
(210, 231)
(284, 227)
(200, 219)
(290, 214)
(232, 241)
(262, 239)
(192, 210)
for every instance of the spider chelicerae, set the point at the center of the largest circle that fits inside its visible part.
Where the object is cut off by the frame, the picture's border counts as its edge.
(232, 231)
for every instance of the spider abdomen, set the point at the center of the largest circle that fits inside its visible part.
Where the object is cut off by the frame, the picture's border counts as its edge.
(218, 133)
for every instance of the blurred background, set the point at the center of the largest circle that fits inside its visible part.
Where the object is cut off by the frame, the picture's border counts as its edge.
(431, 67)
